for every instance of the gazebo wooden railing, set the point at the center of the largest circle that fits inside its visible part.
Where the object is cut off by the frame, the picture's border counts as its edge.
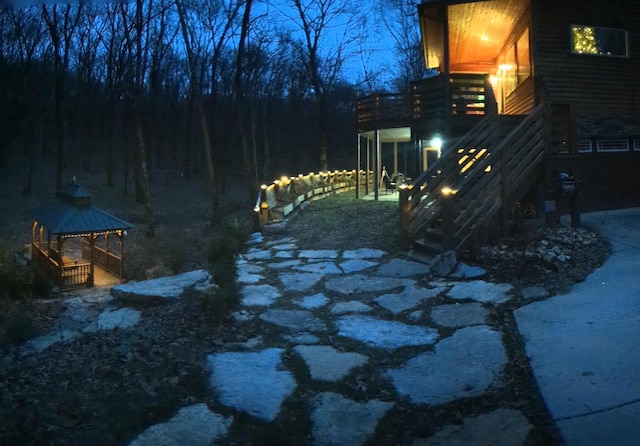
(63, 274)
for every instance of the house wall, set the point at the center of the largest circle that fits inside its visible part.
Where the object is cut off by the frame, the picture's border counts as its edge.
(593, 84)
(603, 92)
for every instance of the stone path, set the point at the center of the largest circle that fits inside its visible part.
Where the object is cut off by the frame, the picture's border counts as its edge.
(345, 317)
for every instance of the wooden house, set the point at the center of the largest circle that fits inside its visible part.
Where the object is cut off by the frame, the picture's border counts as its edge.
(535, 99)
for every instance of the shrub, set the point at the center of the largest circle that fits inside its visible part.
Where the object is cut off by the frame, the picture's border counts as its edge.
(224, 247)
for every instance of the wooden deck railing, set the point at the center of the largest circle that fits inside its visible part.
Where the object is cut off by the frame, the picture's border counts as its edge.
(469, 94)
(277, 200)
(108, 261)
(461, 202)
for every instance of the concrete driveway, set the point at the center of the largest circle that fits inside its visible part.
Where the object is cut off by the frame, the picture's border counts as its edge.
(584, 346)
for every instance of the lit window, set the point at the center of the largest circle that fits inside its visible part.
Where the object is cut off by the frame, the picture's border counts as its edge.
(599, 41)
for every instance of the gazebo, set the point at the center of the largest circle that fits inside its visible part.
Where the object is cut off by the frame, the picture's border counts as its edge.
(81, 240)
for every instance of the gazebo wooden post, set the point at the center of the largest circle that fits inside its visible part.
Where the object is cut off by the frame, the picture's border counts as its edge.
(121, 241)
(92, 244)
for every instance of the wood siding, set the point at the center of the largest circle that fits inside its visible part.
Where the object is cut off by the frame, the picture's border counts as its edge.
(592, 84)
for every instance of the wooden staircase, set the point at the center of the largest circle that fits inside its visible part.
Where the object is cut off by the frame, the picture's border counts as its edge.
(483, 173)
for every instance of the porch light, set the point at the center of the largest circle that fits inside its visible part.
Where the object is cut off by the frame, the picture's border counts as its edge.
(493, 80)
(505, 67)
(436, 143)
(446, 190)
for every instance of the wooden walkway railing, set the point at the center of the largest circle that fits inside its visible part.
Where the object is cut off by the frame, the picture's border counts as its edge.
(277, 200)
(469, 185)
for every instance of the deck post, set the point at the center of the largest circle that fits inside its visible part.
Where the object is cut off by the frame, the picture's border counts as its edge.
(404, 207)
(448, 217)
(357, 171)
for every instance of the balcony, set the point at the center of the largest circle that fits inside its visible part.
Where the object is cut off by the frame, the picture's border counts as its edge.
(455, 100)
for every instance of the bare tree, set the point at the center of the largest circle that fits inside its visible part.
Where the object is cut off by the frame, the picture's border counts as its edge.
(61, 24)
(330, 28)
(399, 17)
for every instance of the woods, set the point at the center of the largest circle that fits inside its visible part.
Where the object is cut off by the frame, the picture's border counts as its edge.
(208, 88)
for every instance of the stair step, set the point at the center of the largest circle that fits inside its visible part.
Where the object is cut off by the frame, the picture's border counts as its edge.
(428, 247)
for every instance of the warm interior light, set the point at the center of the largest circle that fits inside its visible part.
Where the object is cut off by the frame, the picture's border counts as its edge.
(493, 80)
(505, 67)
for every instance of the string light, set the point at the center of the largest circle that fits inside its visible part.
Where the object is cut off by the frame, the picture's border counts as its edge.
(584, 40)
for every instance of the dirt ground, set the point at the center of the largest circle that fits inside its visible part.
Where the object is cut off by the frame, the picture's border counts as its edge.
(105, 388)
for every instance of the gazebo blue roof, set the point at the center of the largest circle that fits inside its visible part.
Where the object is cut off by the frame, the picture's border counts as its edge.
(74, 214)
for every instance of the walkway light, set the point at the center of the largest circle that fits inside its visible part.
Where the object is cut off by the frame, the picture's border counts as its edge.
(436, 143)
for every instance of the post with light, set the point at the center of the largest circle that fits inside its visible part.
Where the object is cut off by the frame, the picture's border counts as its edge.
(447, 196)
(404, 208)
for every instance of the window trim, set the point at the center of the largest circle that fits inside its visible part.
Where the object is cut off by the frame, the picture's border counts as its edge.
(626, 41)
(585, 146)
(623, 145)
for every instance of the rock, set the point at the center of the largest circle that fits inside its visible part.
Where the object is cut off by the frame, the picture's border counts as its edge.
(409, 298)
(355, 265)
(41, 343)
(251, 382)
(315, 301)
(534, 292)
(325, 363)
(480, 291)
(318, 254)
(443, 264)
(339, 421)
(360, 283)
(460, 366)
(384, 334)
(193, 425)
(363, 253)
(459, 315)
(299, 281)
(319, 268)
(352, 306)
(259, 295)
(294, 320)
(464, 271)
(121, 318)
(400, 268)
(163, 289)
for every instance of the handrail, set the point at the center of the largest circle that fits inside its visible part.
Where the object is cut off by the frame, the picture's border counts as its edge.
(284, 195)
(492, 178)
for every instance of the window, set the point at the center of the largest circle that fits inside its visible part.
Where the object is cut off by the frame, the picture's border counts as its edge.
(523, 58)
(584, 146)
(598, 41)
(636, 145)
(613, 145)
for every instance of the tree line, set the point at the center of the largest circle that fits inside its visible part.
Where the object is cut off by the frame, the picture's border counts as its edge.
(205, 87)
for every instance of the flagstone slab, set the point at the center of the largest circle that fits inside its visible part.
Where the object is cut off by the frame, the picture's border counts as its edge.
(318, 254)
(363, 253)
(294, 320)
(502, 427)
(314, 301)
(284, 247)
(259, 295)
(352, 306)
(253, 382)
(258, 254)
(299, 281)
(163, 289)
(384, 334)
(281, 241)
(480, 291)
(360, 283)
(459, 315)
(402, 268)
(284, 255)
(285, 264)
(337, 420)
(461, 366)
(121, 318)
(319, 267)
(355, 265)
(248, 273)
(194, 425)
(41, 343)
(409, 298)
(325, 363)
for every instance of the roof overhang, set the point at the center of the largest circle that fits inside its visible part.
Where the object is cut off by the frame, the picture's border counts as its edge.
(397, 134)
(477, 31)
